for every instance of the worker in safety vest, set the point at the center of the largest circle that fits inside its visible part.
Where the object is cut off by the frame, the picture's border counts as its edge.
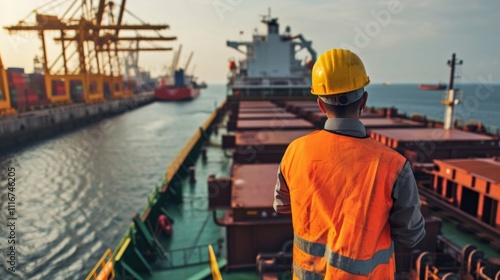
(349, 195)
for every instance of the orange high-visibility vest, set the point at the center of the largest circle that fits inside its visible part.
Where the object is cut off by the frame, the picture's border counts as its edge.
(340, 196)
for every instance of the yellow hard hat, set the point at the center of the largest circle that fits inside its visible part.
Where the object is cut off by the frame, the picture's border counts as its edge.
(338, 71)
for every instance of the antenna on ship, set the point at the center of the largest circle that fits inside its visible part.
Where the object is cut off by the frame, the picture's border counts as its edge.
(449, 101)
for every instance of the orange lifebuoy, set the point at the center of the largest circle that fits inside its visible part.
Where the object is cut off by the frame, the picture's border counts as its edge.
(106, 271)
(165, 224)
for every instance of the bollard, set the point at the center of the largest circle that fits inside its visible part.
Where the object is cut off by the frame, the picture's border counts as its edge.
(204, 153)
(192, 176)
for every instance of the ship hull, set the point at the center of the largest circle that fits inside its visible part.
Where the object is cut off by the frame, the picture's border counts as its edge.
(432, 87)
(176, 93)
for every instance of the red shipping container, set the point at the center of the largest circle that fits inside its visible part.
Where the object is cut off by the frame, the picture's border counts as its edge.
(20, 90)
(16, 77)
(10, 73)
(20, 105)
(43, 102)
(15, 70)
(60, 91)
(16, 81)
(58, 88)
(32, 98)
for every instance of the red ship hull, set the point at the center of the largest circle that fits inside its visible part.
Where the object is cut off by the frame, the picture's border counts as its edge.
(176, 93)
(432, 87)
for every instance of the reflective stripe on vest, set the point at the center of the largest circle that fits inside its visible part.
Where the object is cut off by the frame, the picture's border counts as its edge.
(306, 274)
(360, 267)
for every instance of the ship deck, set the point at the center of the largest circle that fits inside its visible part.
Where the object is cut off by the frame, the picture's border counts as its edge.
(194, 226)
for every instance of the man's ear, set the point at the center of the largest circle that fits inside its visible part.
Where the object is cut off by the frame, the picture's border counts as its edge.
(320, 104)
(363, 101)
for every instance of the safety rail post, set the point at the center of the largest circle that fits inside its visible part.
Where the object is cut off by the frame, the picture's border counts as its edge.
(106, 264)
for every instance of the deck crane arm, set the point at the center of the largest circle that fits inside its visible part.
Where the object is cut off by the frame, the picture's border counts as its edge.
(306, 44)
(188, 61)
(175, 61)
(235, 45)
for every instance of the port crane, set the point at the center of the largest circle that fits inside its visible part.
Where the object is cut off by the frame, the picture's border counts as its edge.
(88, 67)
(5, 105)
(133, 74)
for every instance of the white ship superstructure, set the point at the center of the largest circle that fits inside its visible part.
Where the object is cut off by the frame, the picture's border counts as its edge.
(270, 66)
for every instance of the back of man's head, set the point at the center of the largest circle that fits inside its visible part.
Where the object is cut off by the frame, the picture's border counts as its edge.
(338, 79)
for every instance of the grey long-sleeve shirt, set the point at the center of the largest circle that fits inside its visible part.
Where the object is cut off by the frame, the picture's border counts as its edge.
(407, 222)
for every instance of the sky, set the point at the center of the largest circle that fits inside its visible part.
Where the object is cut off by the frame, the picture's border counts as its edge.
(399, 41)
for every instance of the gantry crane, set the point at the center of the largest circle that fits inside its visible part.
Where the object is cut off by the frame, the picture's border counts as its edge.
(5, 105)
(93, 34)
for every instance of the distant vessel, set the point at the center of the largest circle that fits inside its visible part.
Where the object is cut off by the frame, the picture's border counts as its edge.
(285, 76)
(202, 85)
(386, 83)
(178, 85)
(439, 86)
(182, 88)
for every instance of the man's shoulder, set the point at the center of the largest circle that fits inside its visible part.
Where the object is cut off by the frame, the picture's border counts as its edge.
(305, 138)
(384, 148)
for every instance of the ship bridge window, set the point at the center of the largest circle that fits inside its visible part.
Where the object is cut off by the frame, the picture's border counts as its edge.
(473, 183)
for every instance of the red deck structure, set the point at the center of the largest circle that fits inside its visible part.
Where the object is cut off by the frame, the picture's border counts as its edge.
(473, 185)
(425, 144)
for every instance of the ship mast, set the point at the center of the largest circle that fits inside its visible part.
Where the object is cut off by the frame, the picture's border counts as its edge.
(449, 100)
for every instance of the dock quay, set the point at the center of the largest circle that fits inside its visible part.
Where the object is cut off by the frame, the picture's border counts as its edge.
(36, 125)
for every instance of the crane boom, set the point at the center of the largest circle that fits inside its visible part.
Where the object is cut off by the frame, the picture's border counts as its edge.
(175, 62)
(188, 61)
(120, 17)
(100, 12)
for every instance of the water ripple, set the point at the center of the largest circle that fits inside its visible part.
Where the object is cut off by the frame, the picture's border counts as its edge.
(77, 192)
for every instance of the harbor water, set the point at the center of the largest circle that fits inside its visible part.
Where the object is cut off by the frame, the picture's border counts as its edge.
(477, 102)
(76, 193)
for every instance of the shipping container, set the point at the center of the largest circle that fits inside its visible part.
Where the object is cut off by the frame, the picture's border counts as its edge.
(58, 88)
(107, 90)
(76, 91)
(37, 83)
(15, 70)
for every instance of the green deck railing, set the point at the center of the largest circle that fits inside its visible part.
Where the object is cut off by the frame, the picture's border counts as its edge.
(175, 166)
